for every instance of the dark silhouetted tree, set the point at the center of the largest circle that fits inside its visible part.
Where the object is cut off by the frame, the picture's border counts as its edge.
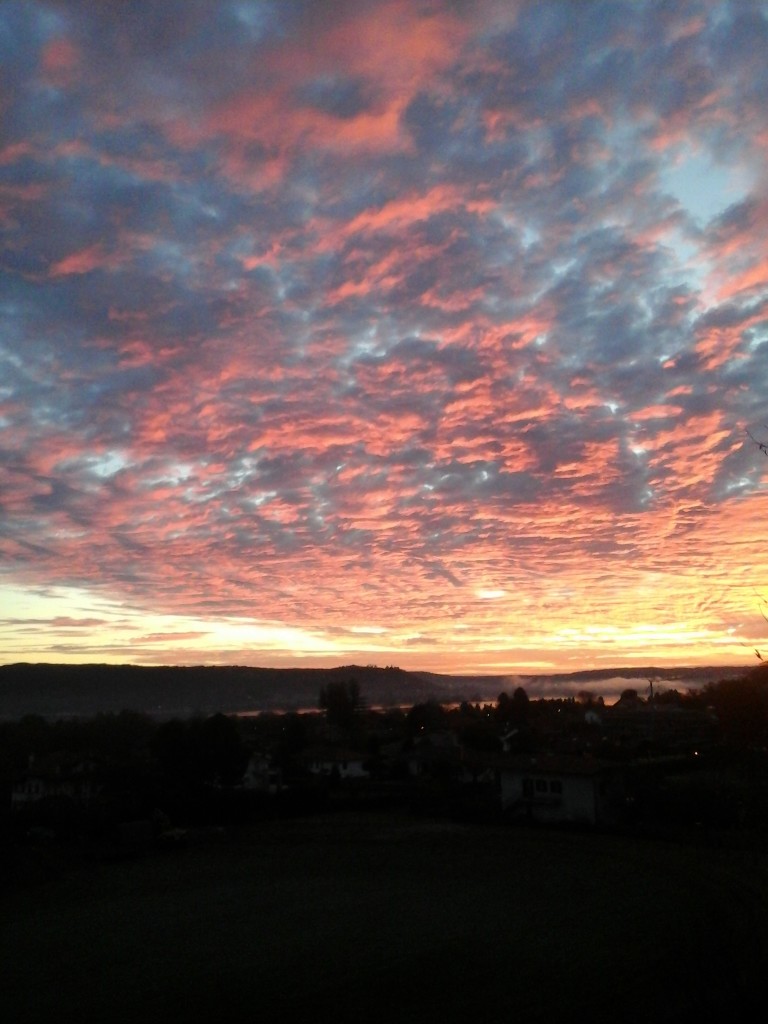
(586, 698)
(221, 750)
(293, 737)
(427, 717)
(741, 707)
(172, 749)
(480, 735)
(503, 709)
(629, 696)
(340, 702)
(201, 750)
(519, 707)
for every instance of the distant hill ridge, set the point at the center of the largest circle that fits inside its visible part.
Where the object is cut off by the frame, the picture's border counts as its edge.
(58, 690)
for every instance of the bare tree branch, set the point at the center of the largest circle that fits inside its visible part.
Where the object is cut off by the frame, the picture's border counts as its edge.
(762, 445)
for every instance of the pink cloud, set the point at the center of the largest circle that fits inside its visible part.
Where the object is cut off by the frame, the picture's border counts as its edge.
(65, 622)
(59, 61)
(168, 638)
(81, 262)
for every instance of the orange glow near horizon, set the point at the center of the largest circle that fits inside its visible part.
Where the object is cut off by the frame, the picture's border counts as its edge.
(428, 334)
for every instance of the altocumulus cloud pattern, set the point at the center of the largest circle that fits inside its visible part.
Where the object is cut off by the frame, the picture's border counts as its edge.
(426, 333)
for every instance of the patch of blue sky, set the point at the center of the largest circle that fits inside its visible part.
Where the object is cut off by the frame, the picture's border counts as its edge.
(108, 464)
(702, 187)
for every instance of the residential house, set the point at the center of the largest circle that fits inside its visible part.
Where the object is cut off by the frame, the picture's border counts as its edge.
(336, 763)
(57, 775)
(262, 774)
(562, 789)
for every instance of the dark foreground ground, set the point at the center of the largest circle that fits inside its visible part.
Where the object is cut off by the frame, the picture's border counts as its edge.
(383, 917)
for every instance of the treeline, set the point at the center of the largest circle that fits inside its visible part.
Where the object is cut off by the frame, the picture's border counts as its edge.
(127, 766)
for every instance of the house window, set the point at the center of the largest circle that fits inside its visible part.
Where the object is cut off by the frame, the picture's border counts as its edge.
(535, 787)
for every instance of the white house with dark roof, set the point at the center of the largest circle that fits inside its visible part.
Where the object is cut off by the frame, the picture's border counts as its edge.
(337, 763)
(562, 789)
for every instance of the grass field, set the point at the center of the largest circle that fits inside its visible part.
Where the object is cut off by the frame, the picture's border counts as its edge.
(373, 918)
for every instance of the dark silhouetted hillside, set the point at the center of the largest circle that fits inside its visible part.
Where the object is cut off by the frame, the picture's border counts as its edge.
(54, 690)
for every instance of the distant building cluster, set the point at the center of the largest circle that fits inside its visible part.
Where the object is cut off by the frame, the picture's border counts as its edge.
(562, 761)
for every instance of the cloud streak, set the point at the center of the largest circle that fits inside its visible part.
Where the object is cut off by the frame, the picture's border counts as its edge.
(337, 321)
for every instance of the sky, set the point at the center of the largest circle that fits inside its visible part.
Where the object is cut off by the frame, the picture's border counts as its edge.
(384, 332)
